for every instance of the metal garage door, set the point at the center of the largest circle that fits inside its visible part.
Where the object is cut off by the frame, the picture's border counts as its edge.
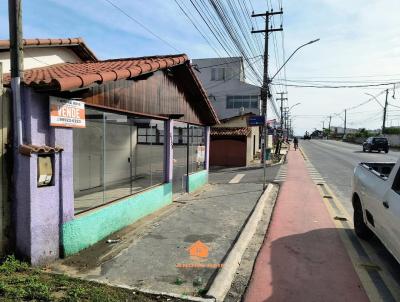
(228, 152)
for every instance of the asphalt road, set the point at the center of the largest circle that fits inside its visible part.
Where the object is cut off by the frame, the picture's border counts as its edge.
(335, 162)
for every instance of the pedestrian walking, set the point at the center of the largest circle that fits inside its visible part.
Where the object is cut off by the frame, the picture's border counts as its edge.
(296, 143)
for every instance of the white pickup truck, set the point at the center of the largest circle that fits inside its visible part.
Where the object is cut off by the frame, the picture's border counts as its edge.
(376, 203)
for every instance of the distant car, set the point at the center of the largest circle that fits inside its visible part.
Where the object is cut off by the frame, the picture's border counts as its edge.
(306, 136)
(376, 143)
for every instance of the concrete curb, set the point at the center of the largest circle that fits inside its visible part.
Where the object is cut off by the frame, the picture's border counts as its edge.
(280, 162)
(152, 292)
(224, 278)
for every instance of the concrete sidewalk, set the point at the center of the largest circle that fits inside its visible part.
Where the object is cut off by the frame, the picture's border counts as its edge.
(157, 257)
(303, 257)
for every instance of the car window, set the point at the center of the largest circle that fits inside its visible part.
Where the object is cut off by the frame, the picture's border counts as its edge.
(380, 140)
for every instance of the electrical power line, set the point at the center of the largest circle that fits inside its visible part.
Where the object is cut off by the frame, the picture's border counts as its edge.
(338, 86)
(141, 24)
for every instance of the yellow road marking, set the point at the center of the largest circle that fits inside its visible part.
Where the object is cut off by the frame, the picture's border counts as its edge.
(359, 265)
(365, 279)
(387, 278)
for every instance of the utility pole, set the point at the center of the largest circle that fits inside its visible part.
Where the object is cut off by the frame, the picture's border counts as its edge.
(329, 131)
(384, 112)
(265, 87)
(281, 99)
(16, 56)
(323, 126)
(345, 120)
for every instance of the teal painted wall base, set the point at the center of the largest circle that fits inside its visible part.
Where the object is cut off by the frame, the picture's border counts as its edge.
(197, 180)
(88, 229)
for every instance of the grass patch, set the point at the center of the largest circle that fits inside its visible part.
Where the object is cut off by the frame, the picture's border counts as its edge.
(20, 282)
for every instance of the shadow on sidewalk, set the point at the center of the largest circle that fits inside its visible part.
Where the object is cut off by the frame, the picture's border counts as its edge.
(233, 169)
(311, 266)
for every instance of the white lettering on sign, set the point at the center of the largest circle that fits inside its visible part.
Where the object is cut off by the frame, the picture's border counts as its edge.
(67, 113)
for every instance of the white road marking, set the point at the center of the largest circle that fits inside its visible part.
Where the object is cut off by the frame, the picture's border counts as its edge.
(236, 179)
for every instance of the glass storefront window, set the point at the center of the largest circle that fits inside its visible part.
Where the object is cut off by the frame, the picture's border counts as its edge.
(180, 161)
(197, 149)
(115, 156)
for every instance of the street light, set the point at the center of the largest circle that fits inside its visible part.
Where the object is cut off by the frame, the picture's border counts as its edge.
(287, 118)
(287, 60)
(267, 87)
(374, 97)
(293, 106)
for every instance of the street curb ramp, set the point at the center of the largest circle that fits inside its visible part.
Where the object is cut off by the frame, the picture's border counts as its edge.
(225, 276)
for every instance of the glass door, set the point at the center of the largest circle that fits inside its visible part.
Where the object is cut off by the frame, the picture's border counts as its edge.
(180, 160)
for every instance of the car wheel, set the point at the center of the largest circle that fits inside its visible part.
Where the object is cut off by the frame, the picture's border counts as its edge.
(379, 151)
(370, 150)
(386, 151)
(360, 228)
(363, 149)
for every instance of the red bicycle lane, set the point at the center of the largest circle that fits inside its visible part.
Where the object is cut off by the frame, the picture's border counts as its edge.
(302, 257)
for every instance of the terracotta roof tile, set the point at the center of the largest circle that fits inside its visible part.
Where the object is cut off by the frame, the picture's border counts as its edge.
(70, 76)
(29, 149)
(77, 44)
(230, 131)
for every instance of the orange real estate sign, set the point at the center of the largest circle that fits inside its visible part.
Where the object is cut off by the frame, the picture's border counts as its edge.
(67, 113)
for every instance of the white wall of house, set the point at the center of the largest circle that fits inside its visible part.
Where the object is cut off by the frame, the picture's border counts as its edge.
(231, 84)
(40, 57)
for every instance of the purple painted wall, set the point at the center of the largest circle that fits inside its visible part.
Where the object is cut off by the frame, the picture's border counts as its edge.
(39, 210)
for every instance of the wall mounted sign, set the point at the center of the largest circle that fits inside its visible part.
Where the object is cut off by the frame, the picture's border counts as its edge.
(67, 113)
(256, 120)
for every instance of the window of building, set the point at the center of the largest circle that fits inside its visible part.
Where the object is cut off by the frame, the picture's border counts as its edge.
(116, 156)
(245, 101)
(222, 74)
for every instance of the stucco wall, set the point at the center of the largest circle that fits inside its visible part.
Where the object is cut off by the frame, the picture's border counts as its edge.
(89, 228)
(40, 57)
(40, 210)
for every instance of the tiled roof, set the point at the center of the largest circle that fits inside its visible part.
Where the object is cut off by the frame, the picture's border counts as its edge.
(233, 131)
(68, 76)
(29, 149)
(236, 116)
(76, 44)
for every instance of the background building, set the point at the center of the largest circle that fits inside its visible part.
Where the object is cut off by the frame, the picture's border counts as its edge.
(233, 143)
(224, 81)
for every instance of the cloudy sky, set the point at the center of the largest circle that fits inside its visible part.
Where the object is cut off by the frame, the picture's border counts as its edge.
(360, 44)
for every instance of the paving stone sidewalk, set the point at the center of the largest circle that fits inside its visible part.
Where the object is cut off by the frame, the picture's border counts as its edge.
(214, 215)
